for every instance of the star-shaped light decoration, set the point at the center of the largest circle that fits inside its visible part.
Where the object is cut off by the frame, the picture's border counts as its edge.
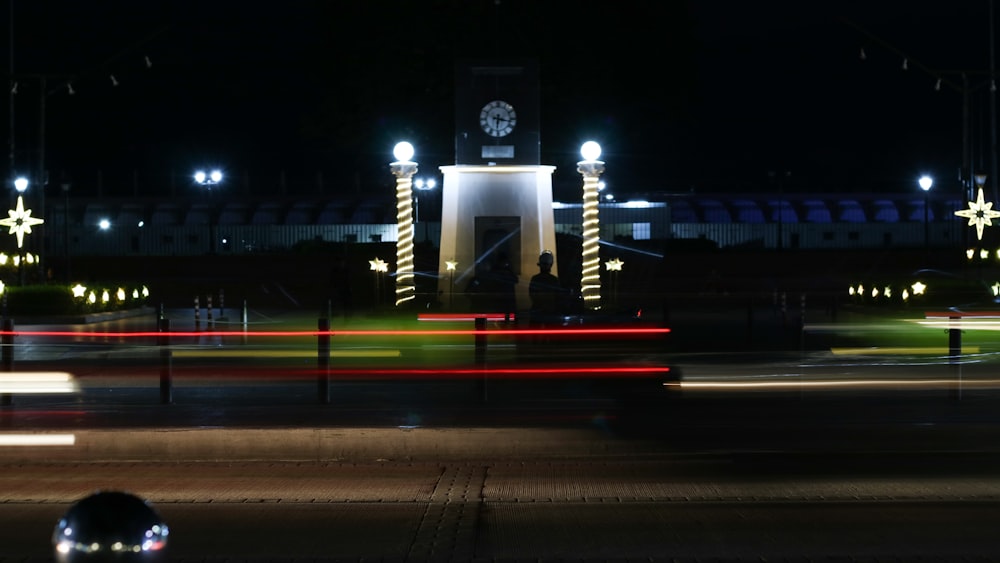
(450, 265)
(918, 288)
(20, 221)
(614, 265)
(979, 213)
(379, 265)
(78, 290)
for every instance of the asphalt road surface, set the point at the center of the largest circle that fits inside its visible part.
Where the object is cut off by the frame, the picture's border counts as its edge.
(248, 469)
(761, 508)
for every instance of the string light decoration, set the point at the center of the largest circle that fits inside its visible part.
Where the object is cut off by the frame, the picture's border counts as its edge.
(957, 81)
(404, 169)
(591, 169)
(20, 221)
(70, 84)
(980, 212)
(378, 265)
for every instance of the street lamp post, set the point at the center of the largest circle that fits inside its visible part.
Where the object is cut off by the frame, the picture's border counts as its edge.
(65, 191)
(21, 185)
(380, 267)
(614, 267)
(451, 265)
(925, 184)
(403, 169)
(421, 185)
(208, 181)
(591, 169)
(19, 221)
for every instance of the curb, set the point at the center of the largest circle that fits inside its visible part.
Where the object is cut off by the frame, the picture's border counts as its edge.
(324, 444)
(83, 319)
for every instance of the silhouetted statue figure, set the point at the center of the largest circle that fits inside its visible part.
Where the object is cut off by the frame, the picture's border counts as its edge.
(545, 290)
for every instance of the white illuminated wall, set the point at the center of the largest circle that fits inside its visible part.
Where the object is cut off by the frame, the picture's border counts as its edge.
(471, 191)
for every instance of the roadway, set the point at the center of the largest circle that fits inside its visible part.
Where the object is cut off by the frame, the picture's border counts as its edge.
(244, 469)
(728, 508)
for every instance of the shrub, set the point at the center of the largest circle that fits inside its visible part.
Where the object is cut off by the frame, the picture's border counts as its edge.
(39, 300)
(35, 300)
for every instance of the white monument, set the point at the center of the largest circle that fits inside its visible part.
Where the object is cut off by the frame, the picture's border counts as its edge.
(493, 211)
(497, 198)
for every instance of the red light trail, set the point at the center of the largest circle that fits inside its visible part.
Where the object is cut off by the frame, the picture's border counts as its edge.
(314, 333)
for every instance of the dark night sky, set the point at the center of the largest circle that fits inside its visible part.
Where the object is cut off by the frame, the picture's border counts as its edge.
(699, 95)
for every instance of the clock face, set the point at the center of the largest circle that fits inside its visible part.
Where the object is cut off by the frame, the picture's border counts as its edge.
(498, 118)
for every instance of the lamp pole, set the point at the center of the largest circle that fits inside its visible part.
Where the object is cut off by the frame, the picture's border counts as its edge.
(65, 191)
(451, 265)
(209, 180)
(403, 169)
(925, 183)
(591, 169)
(20, 184)
(421, 185)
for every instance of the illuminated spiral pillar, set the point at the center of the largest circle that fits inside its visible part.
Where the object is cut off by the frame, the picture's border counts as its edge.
(591, 169)
(404, 169)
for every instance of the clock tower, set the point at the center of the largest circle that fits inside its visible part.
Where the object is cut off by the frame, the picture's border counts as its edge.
(497, 198)
(497, 113)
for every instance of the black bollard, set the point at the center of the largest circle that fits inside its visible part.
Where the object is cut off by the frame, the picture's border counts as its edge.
(955, 356)
(243, 320)
(323, 361)
(8, 344)
(166, 361)
(481, 355)
(7, 356)
(802, 322)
